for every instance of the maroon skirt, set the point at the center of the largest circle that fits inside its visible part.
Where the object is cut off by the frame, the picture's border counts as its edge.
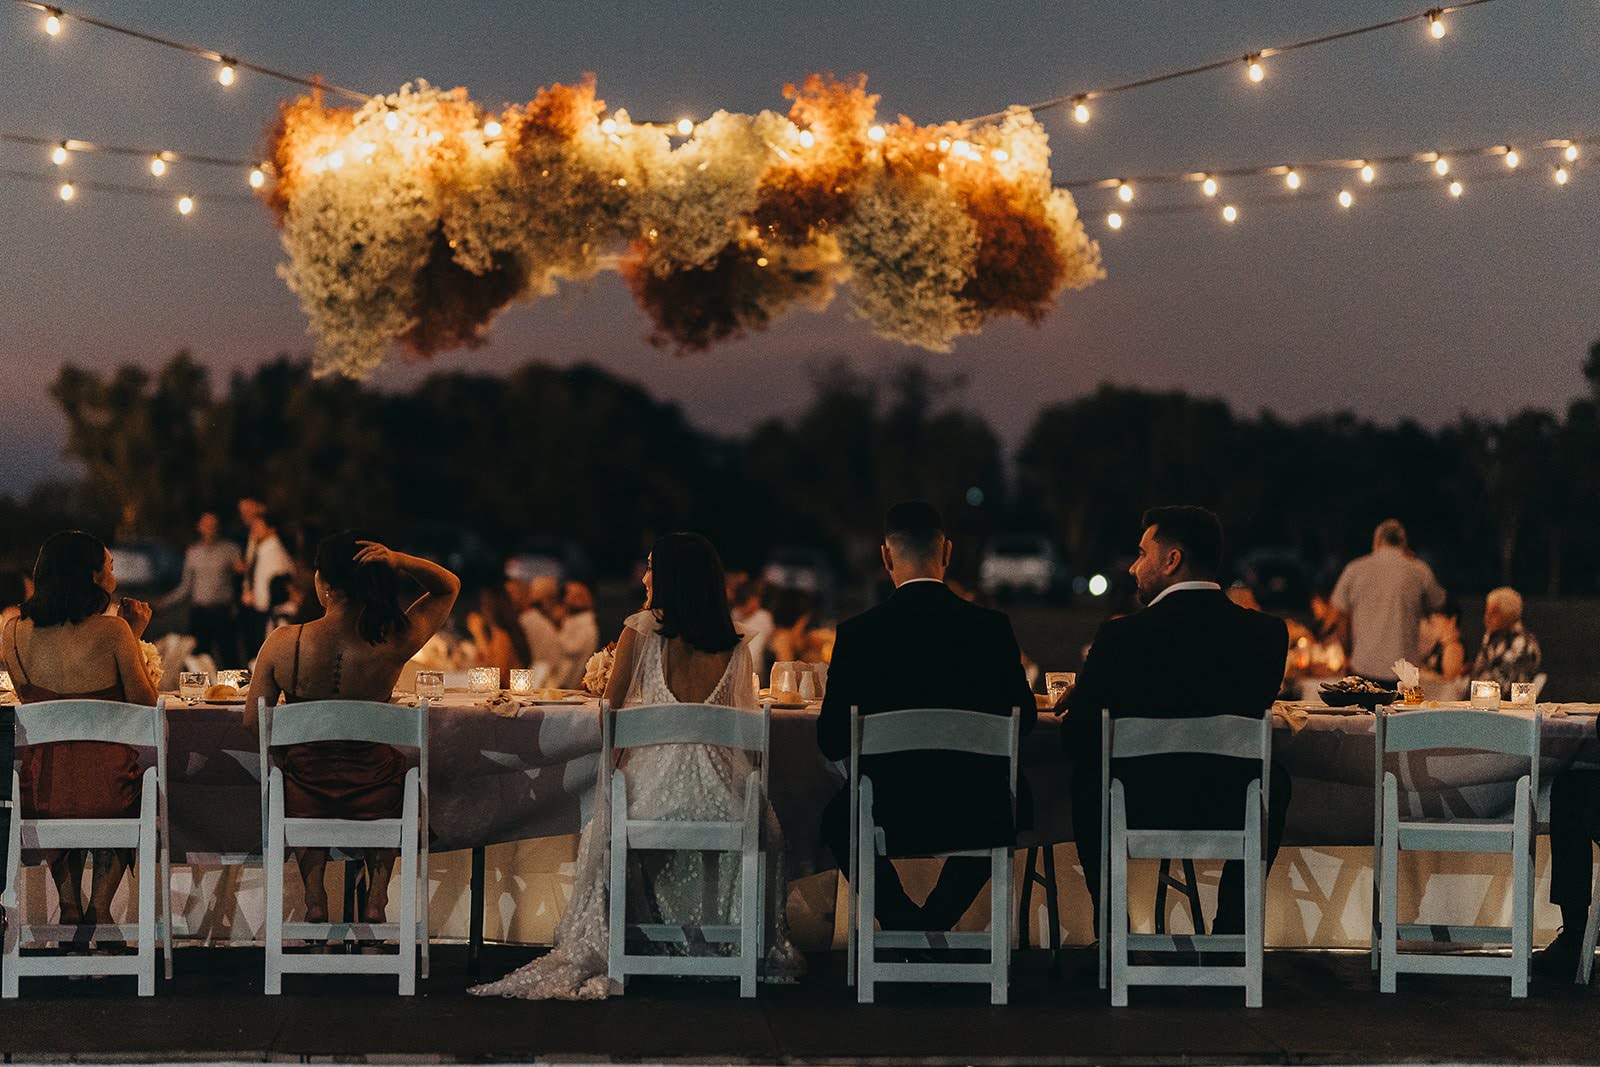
(343, 780)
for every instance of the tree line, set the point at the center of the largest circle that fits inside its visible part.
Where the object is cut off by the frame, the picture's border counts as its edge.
(578, 453)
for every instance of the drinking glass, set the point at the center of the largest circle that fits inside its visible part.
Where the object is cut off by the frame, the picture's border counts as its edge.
(1486, 695)
(430, 685)
(521, 680)
(783, 678)
(808, 685)
(5, 681)
(483, 679)
(1522, 694)
(1411, 694)
(239, 678)
(192, 685)
(1058, 683)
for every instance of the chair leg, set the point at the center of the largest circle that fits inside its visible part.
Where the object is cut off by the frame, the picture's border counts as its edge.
(1255, 889)
(164, 901)
(999, 926)
(273, 876)
(149, 875)
(1521, 893)
(866, 909)
(617, 899)
(1389, 890)
(750, 895)
(1118, 934)
(1591, 931)
(407, 939)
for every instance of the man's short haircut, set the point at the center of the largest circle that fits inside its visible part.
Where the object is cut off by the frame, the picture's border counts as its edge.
(1507, 601)
(1196, 531)
(913, 528)
(1390, 532)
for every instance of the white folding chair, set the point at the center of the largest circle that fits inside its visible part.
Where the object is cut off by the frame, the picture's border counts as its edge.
(1591, 930)
(914, 730)
(348, 720)
(1407, 732)
(143, 728)
(1242, 737)
(695, 724)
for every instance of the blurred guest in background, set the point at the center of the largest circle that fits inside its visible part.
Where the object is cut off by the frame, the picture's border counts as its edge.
(15, 589)
(210, 568)
(578, 635)
(497, 633)
(1383, 598)
(264, 559)
(791, 626)
(753, 619)
(1442, 653)
(1325, 618)
(1508, 653)
(539, 626)
(65, 647)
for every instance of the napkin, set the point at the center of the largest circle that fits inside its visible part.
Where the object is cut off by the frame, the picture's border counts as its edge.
(1407, 672)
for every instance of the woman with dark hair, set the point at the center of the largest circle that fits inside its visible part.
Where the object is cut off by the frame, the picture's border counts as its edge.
(356, 651)
(496, 633)
(65, 647)
(682, 649)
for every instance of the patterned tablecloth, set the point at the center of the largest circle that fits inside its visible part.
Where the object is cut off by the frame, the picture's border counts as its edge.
(496, 778)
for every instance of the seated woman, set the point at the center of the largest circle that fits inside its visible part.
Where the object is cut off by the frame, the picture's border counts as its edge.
(64, 647)
(497, 637)
(356, 651)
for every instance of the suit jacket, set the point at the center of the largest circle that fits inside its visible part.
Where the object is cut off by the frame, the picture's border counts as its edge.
(925, 647)
(1192, 654)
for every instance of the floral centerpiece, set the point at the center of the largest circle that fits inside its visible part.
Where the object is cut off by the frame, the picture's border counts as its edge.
(152, 663)
(597, 672)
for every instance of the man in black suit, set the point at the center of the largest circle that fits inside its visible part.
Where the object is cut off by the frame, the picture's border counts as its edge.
(924, 647)
(1190, 653)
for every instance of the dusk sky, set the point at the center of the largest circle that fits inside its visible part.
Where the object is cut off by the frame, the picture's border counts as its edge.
(1410, 304)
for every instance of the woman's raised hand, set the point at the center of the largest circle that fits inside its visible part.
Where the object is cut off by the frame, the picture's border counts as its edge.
(373, 552)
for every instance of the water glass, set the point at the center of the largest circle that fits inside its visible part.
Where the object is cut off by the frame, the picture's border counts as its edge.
(1486, 695)
(483, 679)
(430, 685)
(521, 680)
(192, 684)
(1522, 694)
(1058, 683)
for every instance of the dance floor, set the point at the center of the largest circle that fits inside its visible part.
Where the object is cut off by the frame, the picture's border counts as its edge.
(1321, 1007)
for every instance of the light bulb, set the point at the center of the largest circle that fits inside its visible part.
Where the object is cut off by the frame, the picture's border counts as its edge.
(1209, 186)
(1455, 189)
(66, 192)
(1345, 199)
(185, 205)
(1512, 159)
(877, 133)
(685, 127)
(391, 121)
(1571, 154)
(761, 261)
(1441, 166)
(335, 160)
(226, 75)
(1256, 70)
(1561, 175)
(807, 138)
(608, 127)
(1436, 26)
(58, 154)
(258, 177)
(1368, 172)
(52, 22)
(1080, 109)
(493, 128)
(1000, 155)
(1230, 213)
(959, 147)
(1114, 220)
(1292, 179)
(158, 166)
(1125, 192)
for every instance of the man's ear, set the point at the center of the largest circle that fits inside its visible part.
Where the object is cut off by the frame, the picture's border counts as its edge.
(1173, 562)
(948, 546)
(888, 557)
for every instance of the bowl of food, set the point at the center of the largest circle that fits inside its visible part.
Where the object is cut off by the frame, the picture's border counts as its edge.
(1353, 692)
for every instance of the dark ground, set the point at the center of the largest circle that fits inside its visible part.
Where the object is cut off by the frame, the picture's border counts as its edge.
(1321, 1007)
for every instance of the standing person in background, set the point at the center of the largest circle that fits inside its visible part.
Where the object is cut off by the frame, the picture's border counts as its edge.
(1383, 598)
(754, 620)
(264, 559)
(539, 628)
(579, 635)
(210, 567)
(1443, 655)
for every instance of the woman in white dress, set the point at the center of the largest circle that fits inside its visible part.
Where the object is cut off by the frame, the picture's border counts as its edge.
(683, 648)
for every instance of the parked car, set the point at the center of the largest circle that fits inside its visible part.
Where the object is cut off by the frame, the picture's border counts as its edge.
(548, 557)
(1021, 564)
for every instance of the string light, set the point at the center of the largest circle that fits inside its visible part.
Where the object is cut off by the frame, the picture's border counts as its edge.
(493, 128)
(1000, 155)
(1230, 213)
(225, 74)
(1512, 159)
(66, 192)
(1209, 186)
(877, 133)
(185, 205)
(685, 127)
(52, 22)
(1114, 220)
(807, 139)
(158, 166)
(391, 121)
(1436, 26)
(1345, 199)
(1561, 175)
(1080, 109)
(1455, 189)
(58, 154)
(608, 127)
(1253, 66)
(1292, 178)
(258, 177)
(1368, 172)
(1571, 154)
(1125, 192)
(1441, 166)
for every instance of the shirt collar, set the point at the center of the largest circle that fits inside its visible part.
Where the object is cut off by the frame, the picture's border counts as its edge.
(1182, 587)
(914, 581)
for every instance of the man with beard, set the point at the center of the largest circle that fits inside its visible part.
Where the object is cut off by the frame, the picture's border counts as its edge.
(1190, 653)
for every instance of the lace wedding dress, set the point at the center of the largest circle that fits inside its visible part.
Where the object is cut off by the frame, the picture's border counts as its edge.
(664, 782)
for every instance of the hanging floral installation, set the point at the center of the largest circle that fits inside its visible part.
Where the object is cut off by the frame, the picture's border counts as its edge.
(414, 219)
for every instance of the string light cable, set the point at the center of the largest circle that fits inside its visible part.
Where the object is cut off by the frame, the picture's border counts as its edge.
(1253, 63)
(56, 18)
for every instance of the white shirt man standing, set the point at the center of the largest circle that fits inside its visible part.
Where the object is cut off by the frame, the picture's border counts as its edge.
(1384, 597)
